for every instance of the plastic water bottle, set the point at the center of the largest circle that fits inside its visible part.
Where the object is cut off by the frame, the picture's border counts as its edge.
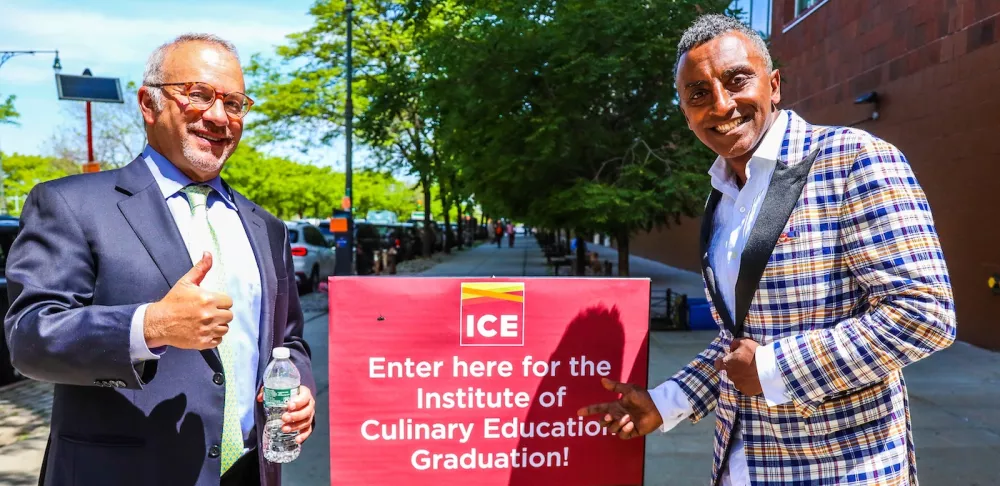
(281, 384)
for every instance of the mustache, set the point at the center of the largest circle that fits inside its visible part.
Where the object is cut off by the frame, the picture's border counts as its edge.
(220, 132)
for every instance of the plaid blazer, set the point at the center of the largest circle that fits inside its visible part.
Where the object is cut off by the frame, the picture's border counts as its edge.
(844, 276)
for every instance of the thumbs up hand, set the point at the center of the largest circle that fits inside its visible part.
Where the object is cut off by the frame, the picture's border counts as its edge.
(189, 317)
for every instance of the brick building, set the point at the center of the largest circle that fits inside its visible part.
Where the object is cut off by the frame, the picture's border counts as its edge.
(932, 66)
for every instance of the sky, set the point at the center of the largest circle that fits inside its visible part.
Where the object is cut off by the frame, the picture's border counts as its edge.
(113, 38)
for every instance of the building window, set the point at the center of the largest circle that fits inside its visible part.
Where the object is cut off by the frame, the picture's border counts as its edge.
(803, 5)
(755, 13)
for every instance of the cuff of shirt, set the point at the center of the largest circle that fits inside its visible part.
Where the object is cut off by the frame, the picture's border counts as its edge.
(774, 388)
(137, 338)
(672, 404)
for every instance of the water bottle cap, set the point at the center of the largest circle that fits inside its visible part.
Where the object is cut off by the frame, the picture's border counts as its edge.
(280, 353)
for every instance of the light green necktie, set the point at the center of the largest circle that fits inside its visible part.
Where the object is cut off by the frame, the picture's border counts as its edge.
(204, 239)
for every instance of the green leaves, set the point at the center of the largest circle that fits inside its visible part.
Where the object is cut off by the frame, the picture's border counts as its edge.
(292, 190)
(8, 115)
(23, 172)
(561, 113)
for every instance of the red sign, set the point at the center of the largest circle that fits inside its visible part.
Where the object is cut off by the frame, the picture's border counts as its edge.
(478, 381)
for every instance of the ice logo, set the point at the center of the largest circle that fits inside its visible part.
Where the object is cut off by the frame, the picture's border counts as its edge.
(492, 314)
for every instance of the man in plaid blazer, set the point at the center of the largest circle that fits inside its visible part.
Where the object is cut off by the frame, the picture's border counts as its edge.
(825, 275)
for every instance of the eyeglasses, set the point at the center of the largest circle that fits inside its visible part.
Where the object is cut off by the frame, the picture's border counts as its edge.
(202, 96)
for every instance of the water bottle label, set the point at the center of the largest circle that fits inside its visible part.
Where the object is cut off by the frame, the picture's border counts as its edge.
(278, 397)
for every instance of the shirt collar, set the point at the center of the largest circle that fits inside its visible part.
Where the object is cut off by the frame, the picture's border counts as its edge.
(764, 159)
(171, 180)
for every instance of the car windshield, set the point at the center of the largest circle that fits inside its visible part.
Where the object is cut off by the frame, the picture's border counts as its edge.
(293, 236)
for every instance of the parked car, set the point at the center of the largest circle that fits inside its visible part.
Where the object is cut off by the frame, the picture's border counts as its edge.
(367, 242)
(324, 227)
(8, 231)
(314, 257)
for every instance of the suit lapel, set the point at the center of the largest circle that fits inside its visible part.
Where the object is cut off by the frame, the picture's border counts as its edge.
(256, 229)
(783, 192)
(147, 213)
(706, 261)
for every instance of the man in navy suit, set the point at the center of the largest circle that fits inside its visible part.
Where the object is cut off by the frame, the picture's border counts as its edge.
(153, 296)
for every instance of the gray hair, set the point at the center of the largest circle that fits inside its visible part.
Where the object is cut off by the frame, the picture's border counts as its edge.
(153, 74)
(708, 27)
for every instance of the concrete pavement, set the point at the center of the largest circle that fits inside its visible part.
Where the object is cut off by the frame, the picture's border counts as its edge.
(25, 408)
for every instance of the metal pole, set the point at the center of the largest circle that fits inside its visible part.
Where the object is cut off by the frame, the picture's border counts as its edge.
(349, 122)
(3, 178)
(90, 136)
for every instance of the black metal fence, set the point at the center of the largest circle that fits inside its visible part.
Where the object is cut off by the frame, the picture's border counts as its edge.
(668, 311)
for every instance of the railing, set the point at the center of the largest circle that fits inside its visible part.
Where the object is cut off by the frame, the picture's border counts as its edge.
(668, 311)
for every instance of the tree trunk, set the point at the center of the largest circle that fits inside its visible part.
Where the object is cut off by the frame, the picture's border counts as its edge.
(460, 224)
(581, 255)
(447, 222)
(428, 237)
(622, 237)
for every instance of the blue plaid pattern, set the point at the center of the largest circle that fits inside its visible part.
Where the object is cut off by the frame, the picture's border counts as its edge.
(855, 289)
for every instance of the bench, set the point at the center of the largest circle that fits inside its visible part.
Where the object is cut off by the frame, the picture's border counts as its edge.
(567, 262)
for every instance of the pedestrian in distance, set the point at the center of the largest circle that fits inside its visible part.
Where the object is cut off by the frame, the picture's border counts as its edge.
(824, 273)
(152, 296)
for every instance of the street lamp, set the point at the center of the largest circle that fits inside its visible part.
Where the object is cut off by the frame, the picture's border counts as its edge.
(348, 265)
(4, 57)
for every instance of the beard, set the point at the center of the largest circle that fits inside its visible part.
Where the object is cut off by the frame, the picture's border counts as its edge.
(206, 161)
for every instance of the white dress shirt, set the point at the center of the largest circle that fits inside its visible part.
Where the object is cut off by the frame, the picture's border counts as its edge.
(242, 279)
(734, 219)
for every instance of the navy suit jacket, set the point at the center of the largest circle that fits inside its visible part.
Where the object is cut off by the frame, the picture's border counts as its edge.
(92, 248)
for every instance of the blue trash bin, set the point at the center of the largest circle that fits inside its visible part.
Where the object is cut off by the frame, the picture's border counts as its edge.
(700, 315)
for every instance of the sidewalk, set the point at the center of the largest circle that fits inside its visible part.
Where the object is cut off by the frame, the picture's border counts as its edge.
(524, 259)
(25, 408)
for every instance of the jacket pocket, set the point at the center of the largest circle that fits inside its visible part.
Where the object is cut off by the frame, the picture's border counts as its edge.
(108, 461)
(852, 410)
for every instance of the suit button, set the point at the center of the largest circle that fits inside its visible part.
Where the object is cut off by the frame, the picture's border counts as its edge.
(218, 378)
(213, 451)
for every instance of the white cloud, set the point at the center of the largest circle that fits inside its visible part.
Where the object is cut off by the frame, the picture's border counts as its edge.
(15, 72)
(113, 38)
(112, 42)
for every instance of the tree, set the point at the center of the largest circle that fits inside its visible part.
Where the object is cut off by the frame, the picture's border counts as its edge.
(561, 114)
(119, 133)
(305, 92)
(8, 115)
(23, 172)
(293, 190)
